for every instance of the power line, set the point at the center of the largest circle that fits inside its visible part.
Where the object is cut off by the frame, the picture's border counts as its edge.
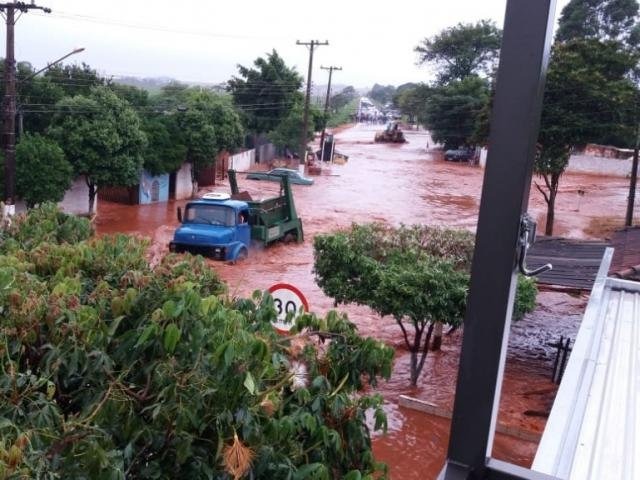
(157, 28)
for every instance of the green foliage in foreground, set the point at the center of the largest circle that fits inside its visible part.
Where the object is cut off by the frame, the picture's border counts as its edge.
(418, 275)
(526, 294)
(45, 224)
(113, 370)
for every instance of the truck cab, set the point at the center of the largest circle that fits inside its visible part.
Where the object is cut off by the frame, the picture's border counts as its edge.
(214, 226)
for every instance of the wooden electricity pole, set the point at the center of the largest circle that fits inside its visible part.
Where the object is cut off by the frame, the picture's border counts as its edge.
(326, 108)
(9, 102)
(305, 122)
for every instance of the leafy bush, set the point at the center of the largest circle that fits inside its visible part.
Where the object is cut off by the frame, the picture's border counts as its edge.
(526, 294)
(46, 223)
(113, 370)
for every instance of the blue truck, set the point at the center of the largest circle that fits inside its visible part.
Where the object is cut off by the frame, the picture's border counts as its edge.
(223, 226)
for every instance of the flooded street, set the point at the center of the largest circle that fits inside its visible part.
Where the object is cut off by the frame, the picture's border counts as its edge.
(405, 184)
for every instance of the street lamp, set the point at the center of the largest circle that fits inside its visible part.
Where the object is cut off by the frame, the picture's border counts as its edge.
(55, 62)
(9, 130)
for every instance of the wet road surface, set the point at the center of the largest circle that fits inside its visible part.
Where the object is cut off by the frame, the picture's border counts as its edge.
(407, 184)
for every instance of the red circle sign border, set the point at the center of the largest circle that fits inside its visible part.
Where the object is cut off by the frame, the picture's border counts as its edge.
(287, 286)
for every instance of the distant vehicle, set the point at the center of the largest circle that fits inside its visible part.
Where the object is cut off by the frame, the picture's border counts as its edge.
(277, 173)
(390, 134)
(458, 155)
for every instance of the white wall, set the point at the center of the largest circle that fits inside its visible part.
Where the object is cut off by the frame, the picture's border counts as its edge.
(483, 157)
(183, 182)
(76, 200)
(241, 162)
(616, 167)
(591, 164)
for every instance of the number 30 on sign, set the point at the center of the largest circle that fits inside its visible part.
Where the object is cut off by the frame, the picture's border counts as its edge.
(286, 299)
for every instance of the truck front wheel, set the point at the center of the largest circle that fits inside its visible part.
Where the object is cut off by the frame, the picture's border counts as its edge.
(175, 248)
(243, 253)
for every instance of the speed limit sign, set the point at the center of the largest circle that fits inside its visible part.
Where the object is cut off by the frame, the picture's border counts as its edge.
(286, 299)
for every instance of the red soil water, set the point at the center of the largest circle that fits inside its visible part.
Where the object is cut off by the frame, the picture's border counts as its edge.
(407, 184)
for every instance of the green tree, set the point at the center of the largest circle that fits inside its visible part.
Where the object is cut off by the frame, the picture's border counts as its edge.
(415, 275)
(418, 275)
(165, 151)
(266, 94)
(588, 98)
(452, 111)
(461, 51)
(588, 91)
(75, 79)
(102, 138)
(36, 98)
(134, 96)
(42, 171)
(600, 19)
(343, 98)
(208, 124)
(289, 131)
(382, 94)
(174, 92)
(114, 369)
(412, 101)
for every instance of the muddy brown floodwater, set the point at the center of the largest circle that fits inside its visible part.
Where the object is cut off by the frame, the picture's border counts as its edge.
(407, 184)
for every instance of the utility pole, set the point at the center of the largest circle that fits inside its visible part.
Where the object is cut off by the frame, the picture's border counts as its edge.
(9, 102)
(305, 122)
(634, 180)
(326, 108)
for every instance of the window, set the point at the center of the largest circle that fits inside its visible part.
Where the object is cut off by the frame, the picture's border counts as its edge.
(210, 214)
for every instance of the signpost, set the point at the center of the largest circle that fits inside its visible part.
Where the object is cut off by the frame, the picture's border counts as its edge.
(287, 299)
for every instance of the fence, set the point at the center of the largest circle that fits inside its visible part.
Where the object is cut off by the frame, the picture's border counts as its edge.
(563, 349)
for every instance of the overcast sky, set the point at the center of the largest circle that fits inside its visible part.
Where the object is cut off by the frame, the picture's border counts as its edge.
(203, 41)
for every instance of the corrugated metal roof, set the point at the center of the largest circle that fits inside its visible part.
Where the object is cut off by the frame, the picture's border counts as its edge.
(593, 432)
(575, 262)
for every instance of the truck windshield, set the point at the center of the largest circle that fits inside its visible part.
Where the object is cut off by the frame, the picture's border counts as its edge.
(209, 214)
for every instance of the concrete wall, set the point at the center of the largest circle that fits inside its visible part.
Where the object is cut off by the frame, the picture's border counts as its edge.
(76, 200)
(183, 182)
(265, 153)
(483, 157)
(591, 164)
(242, 161)
(607, 151)
(616, 167)
(153, 188)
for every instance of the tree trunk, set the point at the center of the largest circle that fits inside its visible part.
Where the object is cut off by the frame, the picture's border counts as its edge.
(418, 348)
(437, 337)
(551, 204)
(194, 180)
(414, 368)
(415, 350)
(92, 198)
